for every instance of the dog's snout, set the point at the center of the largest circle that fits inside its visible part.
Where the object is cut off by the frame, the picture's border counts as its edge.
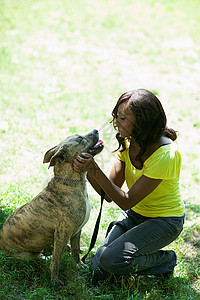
(92, 136)
(95, 131)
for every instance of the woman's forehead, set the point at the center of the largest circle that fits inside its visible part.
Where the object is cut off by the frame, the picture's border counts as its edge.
(124, 109)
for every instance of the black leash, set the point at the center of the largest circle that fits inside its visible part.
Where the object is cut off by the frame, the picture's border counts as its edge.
(96, 228)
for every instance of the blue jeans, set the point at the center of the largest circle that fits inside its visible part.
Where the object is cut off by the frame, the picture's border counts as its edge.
(133, 246)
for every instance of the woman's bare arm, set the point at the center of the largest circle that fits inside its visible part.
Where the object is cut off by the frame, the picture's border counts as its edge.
(116, 176)
(141, 188)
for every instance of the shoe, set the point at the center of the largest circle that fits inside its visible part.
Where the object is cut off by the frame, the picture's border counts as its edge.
(164, 270)
(98, 275)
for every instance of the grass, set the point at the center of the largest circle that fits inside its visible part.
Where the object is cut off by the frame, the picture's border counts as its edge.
(63, 66)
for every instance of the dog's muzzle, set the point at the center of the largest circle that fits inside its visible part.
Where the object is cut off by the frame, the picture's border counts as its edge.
(97, 148)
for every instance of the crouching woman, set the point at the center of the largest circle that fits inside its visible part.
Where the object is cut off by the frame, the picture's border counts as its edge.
(153, 211)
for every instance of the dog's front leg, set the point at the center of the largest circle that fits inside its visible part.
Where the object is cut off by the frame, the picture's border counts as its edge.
(75, 246)
(60, 243)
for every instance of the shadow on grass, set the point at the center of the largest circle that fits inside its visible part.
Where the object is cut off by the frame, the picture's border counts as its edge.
(33, 277)
(149, 287)
(20, 278)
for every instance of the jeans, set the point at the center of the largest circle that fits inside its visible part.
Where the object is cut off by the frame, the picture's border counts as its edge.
(133, 246)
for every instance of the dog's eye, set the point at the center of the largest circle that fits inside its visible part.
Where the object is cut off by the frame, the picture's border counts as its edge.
(82, 140)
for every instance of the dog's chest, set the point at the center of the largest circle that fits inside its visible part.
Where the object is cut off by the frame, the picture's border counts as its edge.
(87, 212)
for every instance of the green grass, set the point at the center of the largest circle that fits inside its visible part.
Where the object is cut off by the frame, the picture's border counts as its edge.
(63, 66)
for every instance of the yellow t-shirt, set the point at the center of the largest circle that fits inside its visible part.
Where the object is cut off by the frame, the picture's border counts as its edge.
(165, 164)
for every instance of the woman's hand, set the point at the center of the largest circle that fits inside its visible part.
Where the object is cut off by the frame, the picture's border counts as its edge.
(84, 163)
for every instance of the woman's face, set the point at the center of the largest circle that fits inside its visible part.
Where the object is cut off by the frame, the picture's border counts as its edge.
(125, 120)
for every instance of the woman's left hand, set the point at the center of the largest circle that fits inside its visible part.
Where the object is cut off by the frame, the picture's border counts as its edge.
(83, 162)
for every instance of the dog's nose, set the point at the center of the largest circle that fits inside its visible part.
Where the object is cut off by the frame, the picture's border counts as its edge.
(95, 131)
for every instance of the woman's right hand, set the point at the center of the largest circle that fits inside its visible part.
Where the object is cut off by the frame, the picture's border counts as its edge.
(84, 163)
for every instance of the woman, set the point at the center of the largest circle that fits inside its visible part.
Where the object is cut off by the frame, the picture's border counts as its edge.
(149, 162)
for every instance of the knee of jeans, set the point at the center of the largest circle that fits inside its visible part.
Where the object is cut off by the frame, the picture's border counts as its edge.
(111, 264)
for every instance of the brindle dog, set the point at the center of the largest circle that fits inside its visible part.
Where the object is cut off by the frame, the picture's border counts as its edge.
(58, 213)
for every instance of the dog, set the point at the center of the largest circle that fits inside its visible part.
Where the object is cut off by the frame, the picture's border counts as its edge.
(57, 214)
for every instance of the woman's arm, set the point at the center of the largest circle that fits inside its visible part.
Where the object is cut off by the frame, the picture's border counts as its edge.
(141, 188)
(116, 176)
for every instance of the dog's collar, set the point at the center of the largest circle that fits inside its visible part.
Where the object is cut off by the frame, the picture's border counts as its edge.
(70, 180)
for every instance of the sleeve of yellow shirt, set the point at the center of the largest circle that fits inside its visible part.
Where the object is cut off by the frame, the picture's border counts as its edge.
(164, 163)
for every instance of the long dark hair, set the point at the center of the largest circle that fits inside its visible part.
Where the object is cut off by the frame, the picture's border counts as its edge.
(150, 123)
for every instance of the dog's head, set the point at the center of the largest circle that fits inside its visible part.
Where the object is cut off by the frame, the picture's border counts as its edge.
(75, 144)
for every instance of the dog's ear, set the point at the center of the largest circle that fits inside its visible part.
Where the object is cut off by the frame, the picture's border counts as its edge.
(56, 154)
(59, 156)
(48, 155)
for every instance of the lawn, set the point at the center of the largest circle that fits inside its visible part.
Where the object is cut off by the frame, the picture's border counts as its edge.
(63, 66)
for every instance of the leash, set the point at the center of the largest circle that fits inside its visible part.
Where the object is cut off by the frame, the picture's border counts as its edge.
(96, 228)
